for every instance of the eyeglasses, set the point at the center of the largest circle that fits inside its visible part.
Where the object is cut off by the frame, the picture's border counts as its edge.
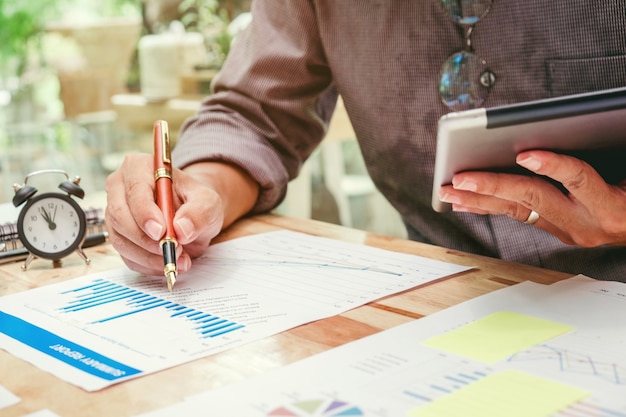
(464, 78)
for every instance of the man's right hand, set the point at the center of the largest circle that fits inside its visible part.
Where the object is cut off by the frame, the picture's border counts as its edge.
(203, 200)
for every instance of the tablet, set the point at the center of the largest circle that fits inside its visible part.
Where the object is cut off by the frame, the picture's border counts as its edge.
(590, 126)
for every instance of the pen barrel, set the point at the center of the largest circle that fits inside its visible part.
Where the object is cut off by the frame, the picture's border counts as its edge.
(163, 176)
(165, 201)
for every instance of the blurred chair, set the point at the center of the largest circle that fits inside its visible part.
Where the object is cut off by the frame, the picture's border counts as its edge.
(344, 188)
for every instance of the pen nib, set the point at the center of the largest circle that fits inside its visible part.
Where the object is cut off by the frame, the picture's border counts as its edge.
(171, 280)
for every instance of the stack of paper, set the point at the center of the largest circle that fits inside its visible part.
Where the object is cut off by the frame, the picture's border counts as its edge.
(105, 328)
(528, 350)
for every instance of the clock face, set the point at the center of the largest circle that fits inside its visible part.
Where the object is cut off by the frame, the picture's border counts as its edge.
(51, 225)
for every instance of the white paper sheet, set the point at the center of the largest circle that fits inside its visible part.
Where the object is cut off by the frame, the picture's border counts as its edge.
(8, 213)
(7, 398)
(392, 373)
(101, 329)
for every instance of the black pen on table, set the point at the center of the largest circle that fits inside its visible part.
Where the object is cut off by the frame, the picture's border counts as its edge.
(165, 198)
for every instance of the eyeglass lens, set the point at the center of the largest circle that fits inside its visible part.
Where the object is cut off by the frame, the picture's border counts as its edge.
(464, 79)
(466, 12)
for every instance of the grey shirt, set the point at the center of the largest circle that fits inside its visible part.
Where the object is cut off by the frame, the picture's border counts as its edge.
(275, 95)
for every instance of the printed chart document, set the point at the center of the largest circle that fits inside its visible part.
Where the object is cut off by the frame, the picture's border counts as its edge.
(101, 329)
(529, 350)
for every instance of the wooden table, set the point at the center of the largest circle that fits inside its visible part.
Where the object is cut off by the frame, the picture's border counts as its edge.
(40, 390)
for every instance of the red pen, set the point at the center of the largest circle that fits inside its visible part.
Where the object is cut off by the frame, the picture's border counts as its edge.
(165, 198)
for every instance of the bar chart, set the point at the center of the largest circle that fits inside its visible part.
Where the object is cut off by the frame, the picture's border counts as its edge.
(105, 296)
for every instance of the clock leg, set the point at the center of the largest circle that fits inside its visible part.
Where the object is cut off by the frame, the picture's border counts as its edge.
(82, 255)
(27, 262)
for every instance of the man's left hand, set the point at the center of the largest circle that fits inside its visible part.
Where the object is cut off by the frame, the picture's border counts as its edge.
(591, 213)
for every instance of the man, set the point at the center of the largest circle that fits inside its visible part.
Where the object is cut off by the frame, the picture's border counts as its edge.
(393, 62)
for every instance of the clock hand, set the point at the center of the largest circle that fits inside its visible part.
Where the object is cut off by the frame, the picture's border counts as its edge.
(44, 214)
(47, 218)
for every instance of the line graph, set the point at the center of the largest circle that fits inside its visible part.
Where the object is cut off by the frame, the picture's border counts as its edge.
(318, 270)
(569, 361)
(311, 263)
(589, 409)
(289, 249)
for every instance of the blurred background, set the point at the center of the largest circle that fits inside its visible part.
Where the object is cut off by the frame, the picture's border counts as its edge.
(82, 81)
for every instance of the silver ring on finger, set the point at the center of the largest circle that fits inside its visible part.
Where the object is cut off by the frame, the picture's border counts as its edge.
(532, 217)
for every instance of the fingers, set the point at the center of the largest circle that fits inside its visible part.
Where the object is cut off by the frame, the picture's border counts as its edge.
(588, 214)
(578, 177)
(130, 202)
(519, 197)
(200, 216)
(129, 208)
(136, 224)
(511, 195)
(602, 205)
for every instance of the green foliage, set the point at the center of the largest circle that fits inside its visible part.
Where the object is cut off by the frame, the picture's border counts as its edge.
(199, 14)
(21, 22)
(210, 19)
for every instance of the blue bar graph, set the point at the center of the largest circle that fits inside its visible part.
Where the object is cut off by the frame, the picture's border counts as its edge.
(443, 384)
(101, 293)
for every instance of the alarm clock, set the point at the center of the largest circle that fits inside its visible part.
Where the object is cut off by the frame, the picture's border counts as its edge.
(51, 225)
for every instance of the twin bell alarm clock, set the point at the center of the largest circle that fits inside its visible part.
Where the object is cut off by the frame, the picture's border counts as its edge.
(51, 225)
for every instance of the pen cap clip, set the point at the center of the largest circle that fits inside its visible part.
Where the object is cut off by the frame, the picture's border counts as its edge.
(162, 135)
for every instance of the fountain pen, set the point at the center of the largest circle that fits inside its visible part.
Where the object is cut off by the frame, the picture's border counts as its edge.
(165, 199)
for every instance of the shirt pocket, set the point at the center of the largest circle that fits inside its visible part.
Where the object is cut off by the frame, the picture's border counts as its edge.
(582, 75)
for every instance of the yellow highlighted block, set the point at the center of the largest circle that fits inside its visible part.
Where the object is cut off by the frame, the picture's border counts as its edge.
(497, 336)
(507, 393)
